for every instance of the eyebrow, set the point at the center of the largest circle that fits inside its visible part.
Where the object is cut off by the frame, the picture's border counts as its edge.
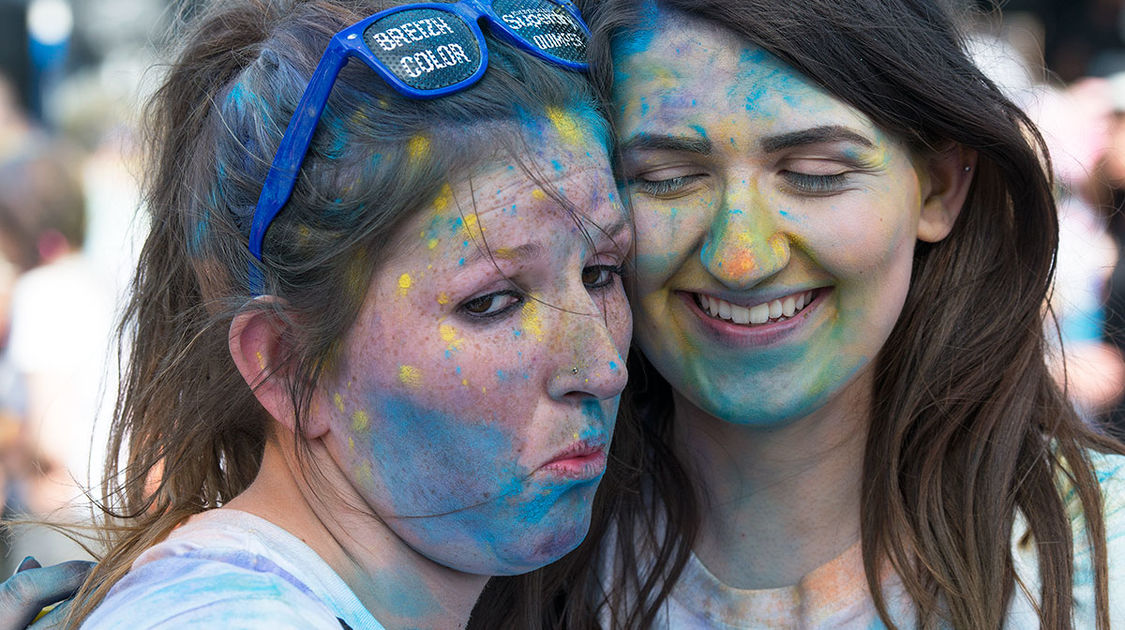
(814, 135)
(535, 250)
(659, 142)
(483, 250)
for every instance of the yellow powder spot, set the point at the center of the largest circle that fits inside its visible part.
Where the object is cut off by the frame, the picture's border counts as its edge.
(338, 400)
(303, 235)
(484, 390)
(566, 126)
(465, 382)
(472, 229)
(418, 148)
(780, 247)
(363, 473)
(404, 283)
(443, 298)
(351, 444)
(410, 375)
(432, 243)
(261, 361)
(444, 198)
(532, 323)
(449, 336)
(359, 421)
(538, 194)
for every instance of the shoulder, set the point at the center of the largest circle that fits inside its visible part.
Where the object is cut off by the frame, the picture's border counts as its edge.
(228, 591)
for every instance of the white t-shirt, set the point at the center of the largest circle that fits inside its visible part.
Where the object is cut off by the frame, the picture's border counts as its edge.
(231, 569)
(835, 595)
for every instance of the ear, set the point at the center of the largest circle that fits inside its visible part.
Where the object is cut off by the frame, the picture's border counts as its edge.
(257, 346)
(946, 177)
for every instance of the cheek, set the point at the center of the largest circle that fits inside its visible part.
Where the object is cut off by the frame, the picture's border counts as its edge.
(667, 234)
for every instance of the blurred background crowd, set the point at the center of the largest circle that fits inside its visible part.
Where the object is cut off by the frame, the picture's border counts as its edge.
(73, 75)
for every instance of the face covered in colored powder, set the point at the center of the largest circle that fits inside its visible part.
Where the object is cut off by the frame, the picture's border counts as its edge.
(476, 395)
(775, 224)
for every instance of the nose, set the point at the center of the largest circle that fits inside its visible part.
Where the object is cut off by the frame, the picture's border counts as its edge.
(743, 245)
(589, 364)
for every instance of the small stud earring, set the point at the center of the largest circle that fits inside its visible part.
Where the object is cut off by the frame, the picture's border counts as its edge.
(968, 168)
(574, 371)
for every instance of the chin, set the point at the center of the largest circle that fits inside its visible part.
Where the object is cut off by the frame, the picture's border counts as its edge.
(540, 548)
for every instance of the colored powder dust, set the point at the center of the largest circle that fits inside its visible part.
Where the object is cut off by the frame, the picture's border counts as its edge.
(443, 298)
(566, 126)
(359, 420)
(538, 194)
(532, 323)
(338, 400)
(404, 283)
(418, 148)
(410, 375)
(444, 198)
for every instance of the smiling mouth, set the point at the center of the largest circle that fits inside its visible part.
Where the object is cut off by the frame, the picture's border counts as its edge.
(777, 310)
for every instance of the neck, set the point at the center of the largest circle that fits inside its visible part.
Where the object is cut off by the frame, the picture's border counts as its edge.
(778, 502)
(400, 587)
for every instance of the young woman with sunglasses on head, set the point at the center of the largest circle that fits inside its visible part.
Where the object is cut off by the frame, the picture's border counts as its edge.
(387, 366)
(845, 238)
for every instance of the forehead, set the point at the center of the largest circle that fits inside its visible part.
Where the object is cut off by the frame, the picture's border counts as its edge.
(541, 171)
(691, 70)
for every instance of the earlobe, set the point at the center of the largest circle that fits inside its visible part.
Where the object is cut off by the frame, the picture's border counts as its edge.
(258, 350)
(947, 177)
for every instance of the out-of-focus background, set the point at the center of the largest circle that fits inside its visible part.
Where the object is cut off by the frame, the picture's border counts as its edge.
(73, 76)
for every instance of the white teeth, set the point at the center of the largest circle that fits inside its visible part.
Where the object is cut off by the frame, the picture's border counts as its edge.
(760, 314)
(757, 314)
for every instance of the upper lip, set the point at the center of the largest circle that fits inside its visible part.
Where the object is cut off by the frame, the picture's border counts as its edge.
(578, 449)
(752, 299)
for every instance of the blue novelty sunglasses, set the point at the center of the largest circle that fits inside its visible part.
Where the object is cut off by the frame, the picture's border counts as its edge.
(423, 51)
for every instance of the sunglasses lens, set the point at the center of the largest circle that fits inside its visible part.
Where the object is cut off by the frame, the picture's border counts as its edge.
(545, 25)
(427, 49)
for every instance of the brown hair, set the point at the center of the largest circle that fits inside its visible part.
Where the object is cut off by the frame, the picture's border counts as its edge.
(188, 433)
(967, 426)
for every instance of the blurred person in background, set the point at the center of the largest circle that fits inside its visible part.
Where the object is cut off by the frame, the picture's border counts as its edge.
(60, 319)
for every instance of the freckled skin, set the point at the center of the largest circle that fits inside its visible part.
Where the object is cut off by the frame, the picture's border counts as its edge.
(743, 223)
(457, 413)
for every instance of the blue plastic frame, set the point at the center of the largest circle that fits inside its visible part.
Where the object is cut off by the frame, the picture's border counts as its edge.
(347, 44)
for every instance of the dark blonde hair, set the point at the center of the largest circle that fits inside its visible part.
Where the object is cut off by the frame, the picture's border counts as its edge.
(188, 434)
(967, 425)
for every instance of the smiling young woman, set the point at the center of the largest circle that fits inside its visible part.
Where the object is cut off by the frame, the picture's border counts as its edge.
(845, 237)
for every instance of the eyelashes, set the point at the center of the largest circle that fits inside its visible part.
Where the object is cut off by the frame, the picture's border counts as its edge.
(497, 305)
(804, 183)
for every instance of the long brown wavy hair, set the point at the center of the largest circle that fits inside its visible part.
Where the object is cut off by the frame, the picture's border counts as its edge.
(966, 424)
(188, 433)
